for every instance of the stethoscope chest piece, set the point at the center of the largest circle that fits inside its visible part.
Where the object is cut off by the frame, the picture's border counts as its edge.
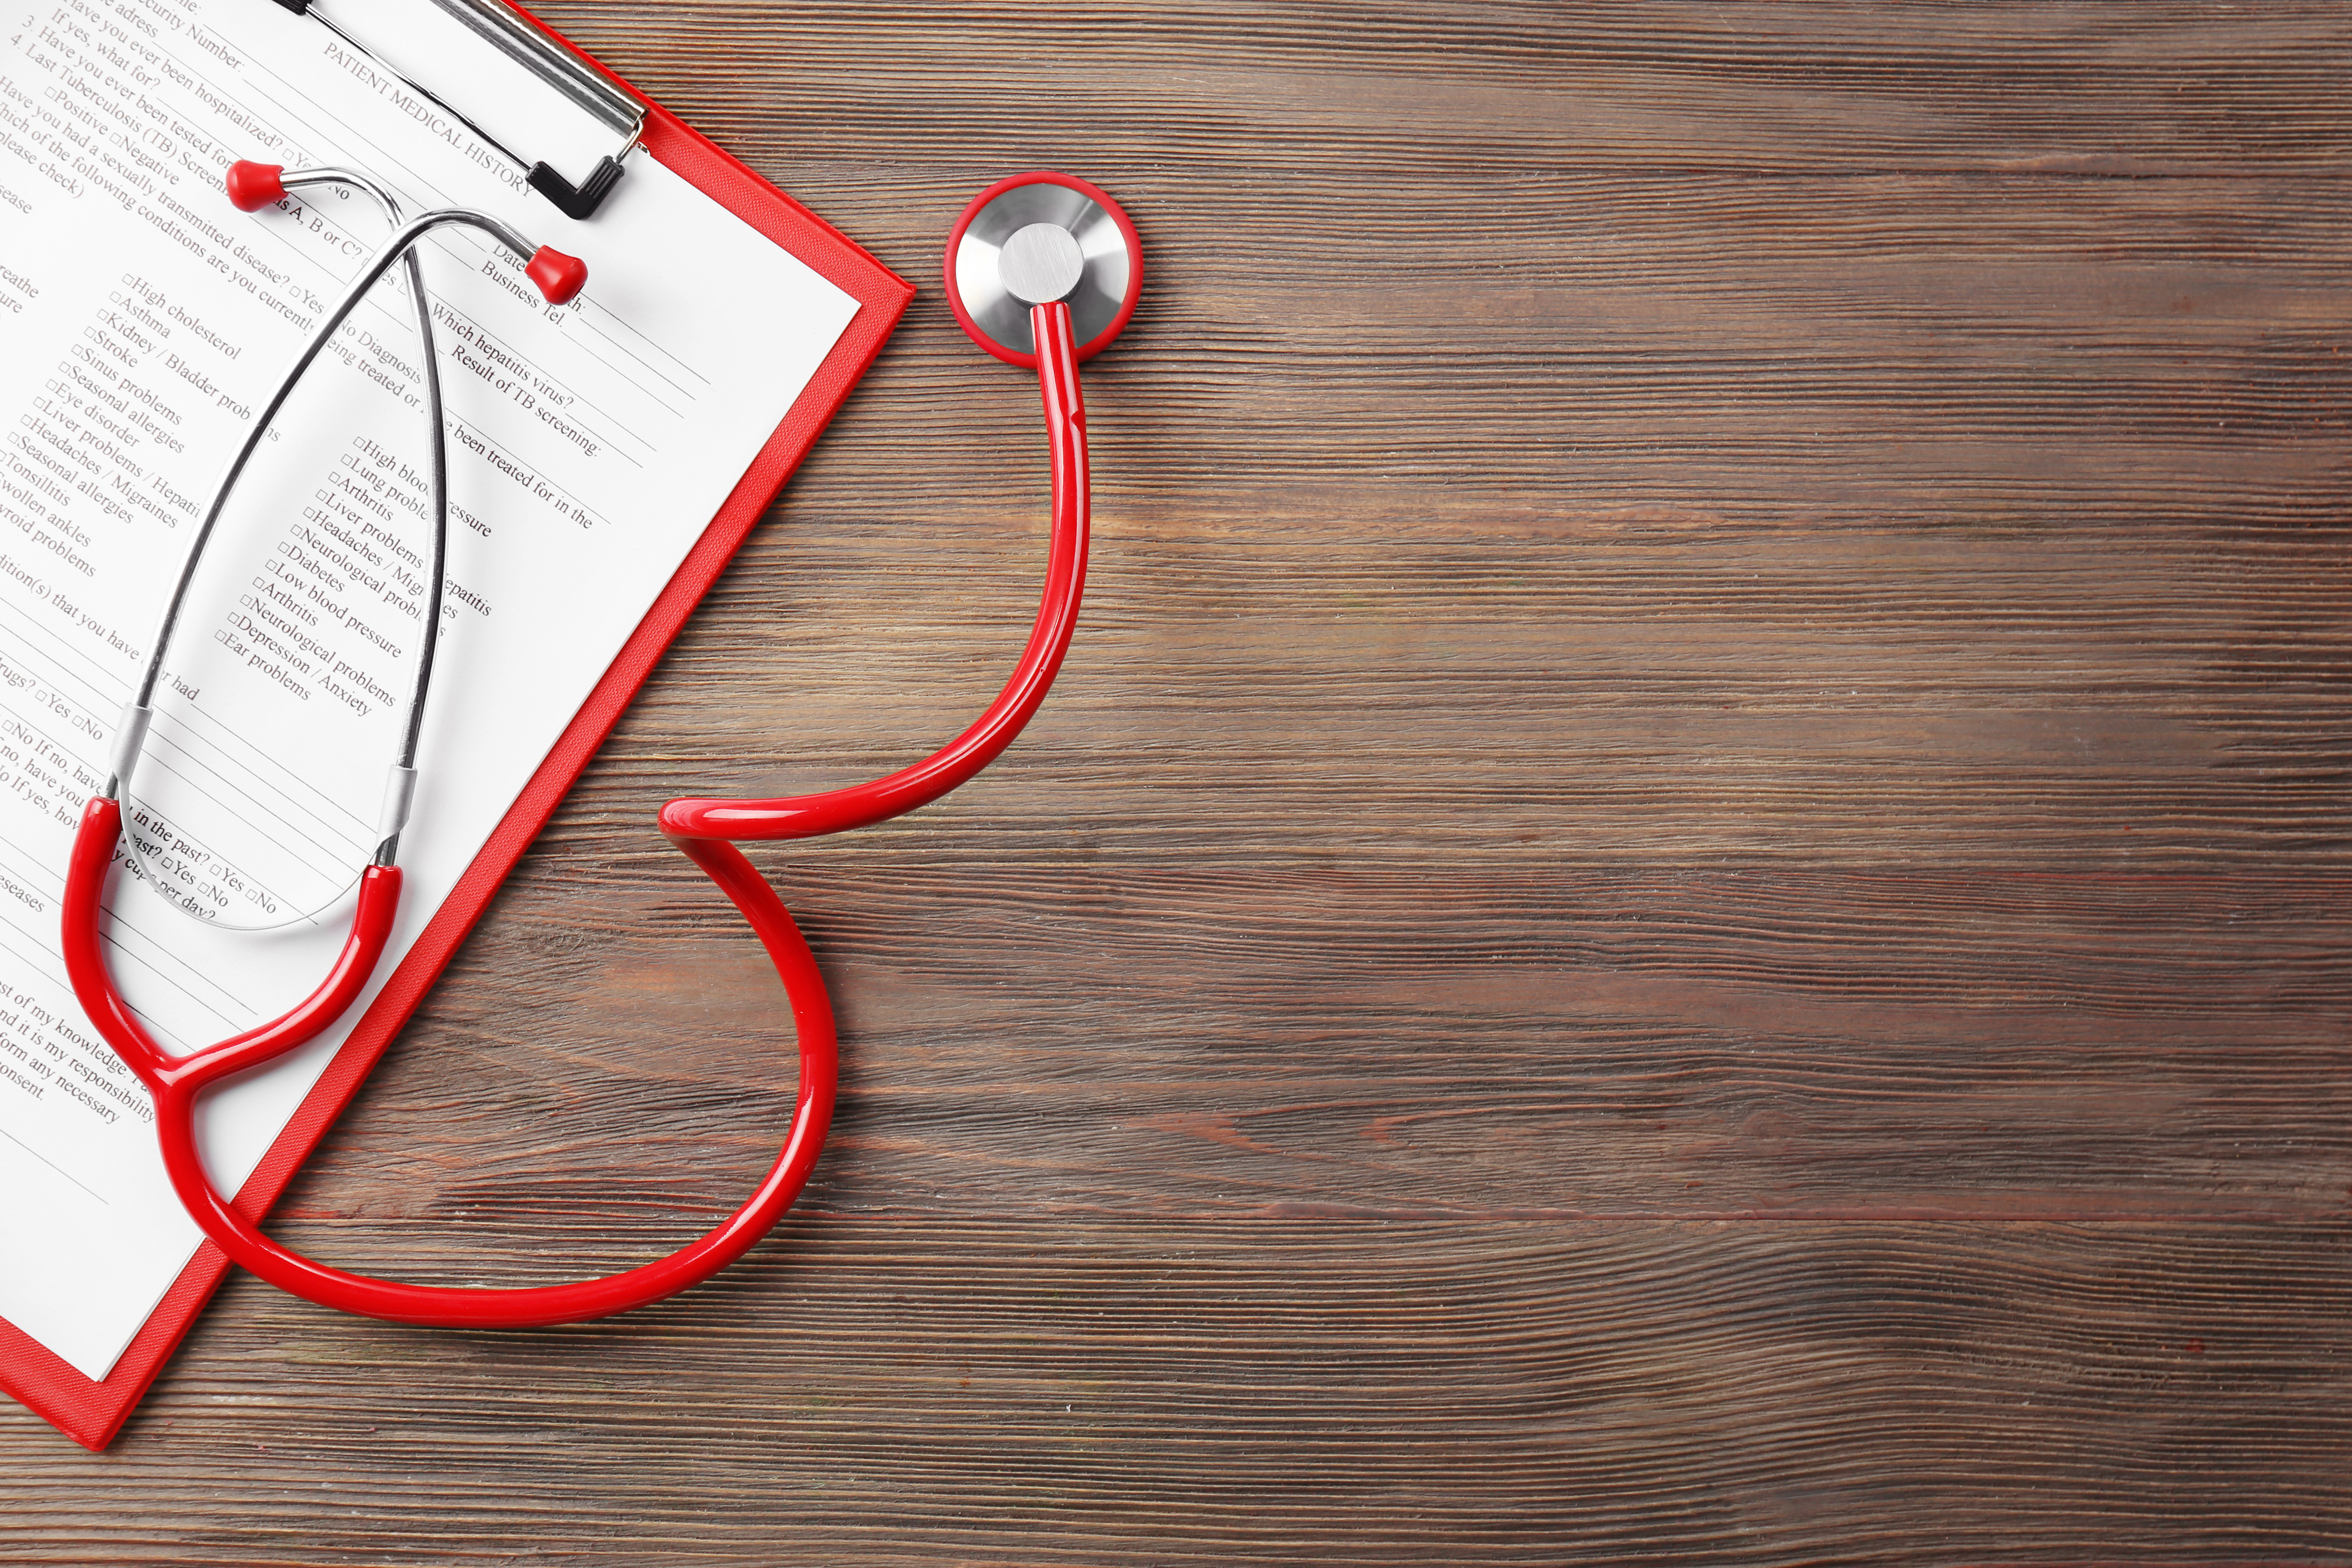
(1036, 238)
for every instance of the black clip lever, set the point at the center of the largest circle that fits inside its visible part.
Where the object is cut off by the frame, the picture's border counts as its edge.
(579, 200)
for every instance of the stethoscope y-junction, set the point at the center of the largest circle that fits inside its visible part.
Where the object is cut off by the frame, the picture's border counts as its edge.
(1043, 271)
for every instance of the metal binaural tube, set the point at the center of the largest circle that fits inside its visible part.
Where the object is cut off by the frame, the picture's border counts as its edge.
(377, 266)
(403, 774)
(252, 187)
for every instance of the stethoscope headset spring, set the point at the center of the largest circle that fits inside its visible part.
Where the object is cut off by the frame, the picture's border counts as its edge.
(560, 278)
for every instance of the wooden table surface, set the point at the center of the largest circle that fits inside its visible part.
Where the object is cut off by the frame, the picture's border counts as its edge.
(1686, 901)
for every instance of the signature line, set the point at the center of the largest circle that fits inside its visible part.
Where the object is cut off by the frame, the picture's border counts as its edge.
(52, 1164)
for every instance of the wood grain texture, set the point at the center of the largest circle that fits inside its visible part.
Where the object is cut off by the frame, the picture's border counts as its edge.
(1687, 901)
(901, 1392)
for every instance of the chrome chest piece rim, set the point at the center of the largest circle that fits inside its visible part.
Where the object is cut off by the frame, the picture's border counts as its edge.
(1003, 248)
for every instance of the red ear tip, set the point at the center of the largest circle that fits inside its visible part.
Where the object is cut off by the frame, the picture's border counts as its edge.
(560, 276)
(252, 187)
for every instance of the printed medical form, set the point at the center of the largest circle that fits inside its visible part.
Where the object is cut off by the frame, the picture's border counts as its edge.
(141, 318)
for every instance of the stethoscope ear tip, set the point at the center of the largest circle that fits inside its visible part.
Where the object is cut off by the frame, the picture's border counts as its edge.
(1034, 237)
(559, 277)
(252, 187)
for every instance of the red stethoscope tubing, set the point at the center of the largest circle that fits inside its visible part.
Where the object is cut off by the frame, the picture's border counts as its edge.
(706, 831)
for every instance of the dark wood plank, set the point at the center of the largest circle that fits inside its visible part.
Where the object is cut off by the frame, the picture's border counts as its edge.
(1344, 1392)
(1687, 901)
(1680, 1039)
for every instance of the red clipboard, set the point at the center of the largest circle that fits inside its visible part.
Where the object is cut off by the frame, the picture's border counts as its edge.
(91, 1412)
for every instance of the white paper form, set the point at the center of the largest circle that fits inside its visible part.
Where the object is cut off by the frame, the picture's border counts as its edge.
(143, 323)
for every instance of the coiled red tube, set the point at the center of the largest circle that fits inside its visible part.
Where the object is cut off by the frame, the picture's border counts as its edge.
(702, 829)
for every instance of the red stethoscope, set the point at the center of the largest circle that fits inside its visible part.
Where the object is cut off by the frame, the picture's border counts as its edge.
(1043, 271)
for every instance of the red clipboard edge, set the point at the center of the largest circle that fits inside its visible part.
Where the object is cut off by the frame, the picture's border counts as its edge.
(91, 1412)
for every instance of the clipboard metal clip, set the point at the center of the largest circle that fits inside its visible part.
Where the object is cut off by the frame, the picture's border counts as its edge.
(498, 27)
